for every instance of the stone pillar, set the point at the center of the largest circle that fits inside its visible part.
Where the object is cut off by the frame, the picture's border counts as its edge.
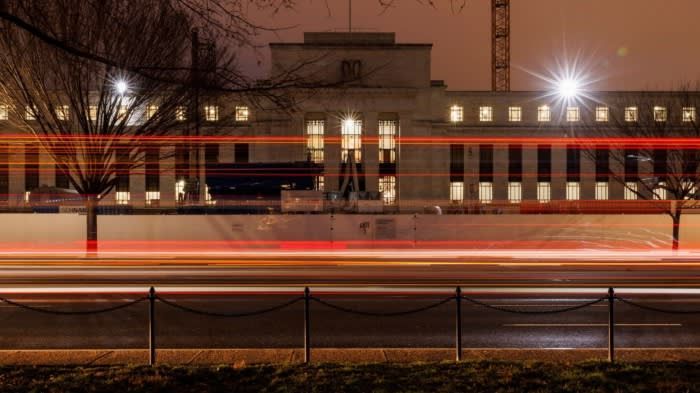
(500, 173)
(558, 185)
(167, 177)
(47, 169)
(529, 186)
(16, 168)
(370, 151)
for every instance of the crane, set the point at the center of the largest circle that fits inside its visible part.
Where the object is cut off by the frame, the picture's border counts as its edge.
(500, 45)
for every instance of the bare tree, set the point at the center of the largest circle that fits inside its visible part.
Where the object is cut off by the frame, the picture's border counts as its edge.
(96, 118)
(648, 149)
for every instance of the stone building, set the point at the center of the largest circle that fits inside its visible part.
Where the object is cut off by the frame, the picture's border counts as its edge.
(414, 140)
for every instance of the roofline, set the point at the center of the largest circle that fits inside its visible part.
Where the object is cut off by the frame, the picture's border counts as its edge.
(346, 45)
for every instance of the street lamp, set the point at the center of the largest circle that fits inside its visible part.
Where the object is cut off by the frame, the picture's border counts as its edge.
(568, 88)
(121, 87)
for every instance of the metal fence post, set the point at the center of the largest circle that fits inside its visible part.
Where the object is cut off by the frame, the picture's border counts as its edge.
(611, 325)
(307, 327)
(458, 326)
(152, 326)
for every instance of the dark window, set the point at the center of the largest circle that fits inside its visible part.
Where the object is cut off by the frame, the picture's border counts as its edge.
(152, 168)
(631, 164)
(211, 153)
(486, 163)
(456, 162)
(515, 163)
(122, 169)
(544, 163)
(61, 180)
(31, 167)
(4, 173)
(660, 165)
(573, 163)
(241, 153)
(602, 163)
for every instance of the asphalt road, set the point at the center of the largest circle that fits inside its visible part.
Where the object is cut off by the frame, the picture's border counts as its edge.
(482, 327)
(532, 283)
(355, 273)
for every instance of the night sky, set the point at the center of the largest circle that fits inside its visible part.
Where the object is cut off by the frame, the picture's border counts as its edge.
(627, 44)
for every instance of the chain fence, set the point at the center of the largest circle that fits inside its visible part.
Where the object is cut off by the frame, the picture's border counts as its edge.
(307, 298)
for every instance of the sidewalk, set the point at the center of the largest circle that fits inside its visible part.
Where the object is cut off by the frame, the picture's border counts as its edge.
(87, 357)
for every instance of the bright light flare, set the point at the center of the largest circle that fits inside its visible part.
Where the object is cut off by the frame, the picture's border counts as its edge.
(121, 87)
(349, 123)
(568, 88)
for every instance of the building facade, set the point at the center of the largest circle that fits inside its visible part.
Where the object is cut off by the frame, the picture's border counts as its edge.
(369, 102)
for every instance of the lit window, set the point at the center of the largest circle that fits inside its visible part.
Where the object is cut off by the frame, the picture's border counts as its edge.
(152, 197)
(242, 113)
(207, 197)
(456, 113)
(314, 139)
(660, 113)
(660, 191)
(151, 111)
(515, 113)
(544, 113)
(387, 186)
(456, 192)
(122, 197)
(92, 112)
(319, 183)
(689, 114)
(601, 190)
(211, 112)
(181, 113)
(485, 192)
(631, 113)
(180, 191)
(573, 191)
(351, 139)
(630, 190)
(62, 113)
(544, 191)
(485, 113)
(121, 112)
(573, 113)
(515, 191)
(387, 141)
(30, 113)
(602, 113)
(4, 112)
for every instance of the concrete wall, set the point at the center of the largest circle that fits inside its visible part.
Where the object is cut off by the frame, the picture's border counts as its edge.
(214, 232)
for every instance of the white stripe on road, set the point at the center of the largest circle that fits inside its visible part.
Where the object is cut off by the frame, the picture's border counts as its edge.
(591, 325)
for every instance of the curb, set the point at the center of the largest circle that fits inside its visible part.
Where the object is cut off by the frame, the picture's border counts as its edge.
(93, 357)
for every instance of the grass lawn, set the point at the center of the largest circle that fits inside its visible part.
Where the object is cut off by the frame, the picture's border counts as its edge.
(587, 377)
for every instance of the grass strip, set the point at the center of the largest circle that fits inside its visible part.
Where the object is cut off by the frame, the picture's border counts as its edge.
(481, 376)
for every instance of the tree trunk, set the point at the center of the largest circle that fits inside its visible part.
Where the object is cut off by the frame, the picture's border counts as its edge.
(676, 230)
(91, 235)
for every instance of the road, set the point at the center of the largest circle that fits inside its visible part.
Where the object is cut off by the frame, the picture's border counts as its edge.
(392, 267)
(371, 281)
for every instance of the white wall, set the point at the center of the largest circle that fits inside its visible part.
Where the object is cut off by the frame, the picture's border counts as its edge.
(473, 231)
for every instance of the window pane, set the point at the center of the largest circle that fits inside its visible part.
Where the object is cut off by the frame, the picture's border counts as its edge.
(242, 113)
(456, 113)
(485, 192)
(485, 113)
(515, 113)
(456, 191)
(314, 140)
